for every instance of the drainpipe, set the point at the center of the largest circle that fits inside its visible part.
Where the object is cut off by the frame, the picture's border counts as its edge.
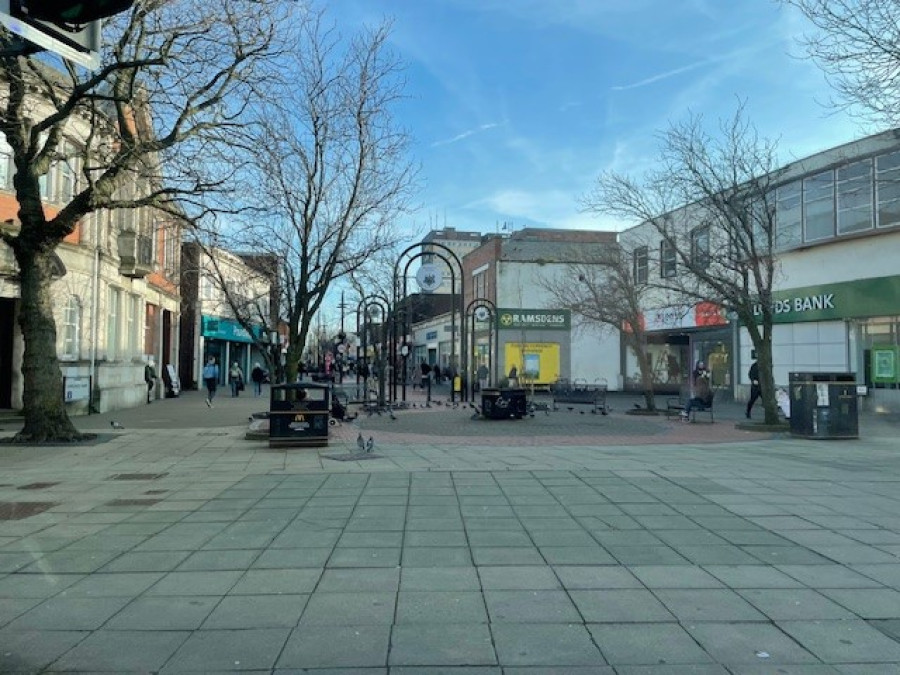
(95, 301)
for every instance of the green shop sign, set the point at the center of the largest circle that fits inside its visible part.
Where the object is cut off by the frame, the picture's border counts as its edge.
(226, 329)
(536, 319)
(848, 300)
(884, 364)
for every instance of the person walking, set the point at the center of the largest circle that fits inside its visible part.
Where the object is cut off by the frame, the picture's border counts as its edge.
(755, 391)
(258, 376)
(425, 369)
(210, 379)
(513, 377)
(482, 377)
(236, 379)
(436, 373)
(150, 378)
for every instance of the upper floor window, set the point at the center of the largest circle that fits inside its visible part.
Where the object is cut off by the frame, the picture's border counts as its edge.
(818, 206)
(700, 247)
(789, 215)
(641, 259)
(854, 197)
(113, 329)
(668, 261)
(887, 189)
(6, 165)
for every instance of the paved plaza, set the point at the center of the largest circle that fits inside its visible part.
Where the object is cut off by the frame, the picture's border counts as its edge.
(569, 544)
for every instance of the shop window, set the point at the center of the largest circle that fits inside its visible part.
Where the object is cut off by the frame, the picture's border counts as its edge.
(887, 189)
(788, 215)
(700, 247)
(641, 260)
(818, 206)
(668, 260)
(113, 313)
(854, 197)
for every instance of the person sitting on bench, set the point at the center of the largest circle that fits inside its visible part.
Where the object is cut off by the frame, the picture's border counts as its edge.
(702, 398)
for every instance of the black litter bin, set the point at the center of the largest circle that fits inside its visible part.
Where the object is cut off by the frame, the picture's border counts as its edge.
(824, 405)
(298, 415)
(501, 404)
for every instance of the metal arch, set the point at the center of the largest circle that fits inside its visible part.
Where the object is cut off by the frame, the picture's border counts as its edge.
(463, 366)
(382, 303)
(474, 305)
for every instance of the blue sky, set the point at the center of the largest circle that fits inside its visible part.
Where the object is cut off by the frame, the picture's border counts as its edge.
(516, 106)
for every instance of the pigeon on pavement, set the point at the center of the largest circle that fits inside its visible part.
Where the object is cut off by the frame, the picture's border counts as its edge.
(116, 425)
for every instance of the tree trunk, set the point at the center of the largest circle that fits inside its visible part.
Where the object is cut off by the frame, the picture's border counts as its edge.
(767, 380)
(646, 367)
(43, 403)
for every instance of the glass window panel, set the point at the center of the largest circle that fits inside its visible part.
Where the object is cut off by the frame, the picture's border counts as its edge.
(668, 263)
(788, 215)
(818, 206)
(888, 162)
(854, 197)
(887, 186)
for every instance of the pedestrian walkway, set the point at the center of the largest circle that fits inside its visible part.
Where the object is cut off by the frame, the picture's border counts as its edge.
(176, 546)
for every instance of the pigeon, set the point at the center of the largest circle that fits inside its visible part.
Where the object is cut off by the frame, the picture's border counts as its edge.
(370, 444)
(360, 443)
(637, 406)
(393, 416)
(116, 425)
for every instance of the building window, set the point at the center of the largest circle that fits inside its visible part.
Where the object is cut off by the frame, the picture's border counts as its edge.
(789, 215)
(71, 329)
(113, 313)
(641, 258)
(700, 247)
(668, 261)
(818, 206)
(887, 189)
(854, 197)
(6, 165)
(132, 302)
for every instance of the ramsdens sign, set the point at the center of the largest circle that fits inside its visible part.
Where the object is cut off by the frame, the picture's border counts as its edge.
(540, 319)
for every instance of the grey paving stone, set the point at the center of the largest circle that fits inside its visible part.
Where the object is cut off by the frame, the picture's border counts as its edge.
(31, 651)
(361, 579)
(449, 524)
(708, 604)
(414, 607)
(219, 560)
(867, 603)
(122, 651)
(269, 582)
(196, 583)
(164, 613)
(208, 650)
(843, 641)
(507, 556)
(786, 555)
(518, 578)
(558, 645)
(439, 579)
(564, 670)
(60, 613)
(674, 576)
(312, 647)
(576, 555)
(793, 669)
(596, 577)
(858, 554)
(749, 643)
(100, 585)
(479, 524)
(889, 575)
(434, 556)
(441, 645)
(716, 555)
(64, 562)
(437, 538)
(646, 555)
(828, 576)
(530, 606)
(752, 576)
(12, 608)
(257, 611)
(647, 643)
(347, 609)
(620, 606)
(495, 539)
(364, 557)
(36, 586)
(672, 669)
(578, 538)
(149, 561)
(291, 558)
(794, 604)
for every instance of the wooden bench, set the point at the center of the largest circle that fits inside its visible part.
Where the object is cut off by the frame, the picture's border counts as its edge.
(675, 406)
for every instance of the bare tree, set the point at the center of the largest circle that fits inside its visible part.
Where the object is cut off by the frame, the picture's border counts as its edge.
(150, 126)
(606, 291)
(711, 201)
(857, 45)
(329, 170)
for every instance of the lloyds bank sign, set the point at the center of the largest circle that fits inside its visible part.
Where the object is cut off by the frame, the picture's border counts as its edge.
(852, 299)
(536, 319)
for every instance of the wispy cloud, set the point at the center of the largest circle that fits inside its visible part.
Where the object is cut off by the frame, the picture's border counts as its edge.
(662, 76)
(465, 134)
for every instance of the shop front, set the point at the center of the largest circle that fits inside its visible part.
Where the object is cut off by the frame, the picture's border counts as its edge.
(536, 342)
(679, 339)
(228, 342)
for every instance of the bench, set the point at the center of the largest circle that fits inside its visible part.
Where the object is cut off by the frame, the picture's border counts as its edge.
(675, 406)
